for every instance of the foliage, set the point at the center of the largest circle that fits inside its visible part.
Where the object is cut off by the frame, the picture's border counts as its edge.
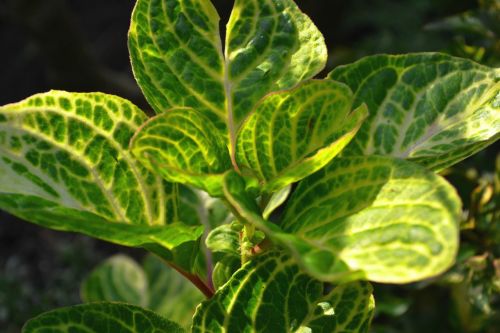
(235, 130)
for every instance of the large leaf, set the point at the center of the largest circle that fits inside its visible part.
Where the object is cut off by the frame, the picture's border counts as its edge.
(292, 134)
(178, 61)
(154, 286)
(64, 164)
(378, 218)
(183, 146)
(101, 318)
(271, 294)
(430, 108)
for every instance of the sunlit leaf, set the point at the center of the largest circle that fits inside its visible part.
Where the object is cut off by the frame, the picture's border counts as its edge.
(430, 108)
(65, 165)
(178, 60)
(183, 146)
(294, 133)
(378, 218)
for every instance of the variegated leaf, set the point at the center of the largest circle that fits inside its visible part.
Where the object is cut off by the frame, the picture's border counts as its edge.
(292, 134)
(65, 164)
(102, 317)
(178, 61)
(271, 294)
(430, 108)
(378, 218)
(183, 146)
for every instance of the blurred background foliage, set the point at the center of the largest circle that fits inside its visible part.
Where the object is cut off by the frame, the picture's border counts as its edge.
(80, 45)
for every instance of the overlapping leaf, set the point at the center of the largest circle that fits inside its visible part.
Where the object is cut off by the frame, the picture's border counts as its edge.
(65, 164)
(271, 294)
(430, 108)
(183, 146)
(101, 318)
(270, 45)
(178, 61)
(292, 134)
(374, 217)
(154, 286)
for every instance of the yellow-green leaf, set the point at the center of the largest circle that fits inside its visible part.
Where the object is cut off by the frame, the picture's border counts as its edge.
(291, 134)
(65, 164)
(178, 60)
(379, 218)
(183, 146)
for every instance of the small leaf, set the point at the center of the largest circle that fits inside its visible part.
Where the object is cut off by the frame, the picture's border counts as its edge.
(271, 294)
(276, 200)
(224, 270)
(154, 286)
(224, 238)
(183, 146)
(294, 133)
(430, 108)
(101, 317)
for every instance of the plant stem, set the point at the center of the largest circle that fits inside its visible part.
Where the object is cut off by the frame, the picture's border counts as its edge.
(195, 280)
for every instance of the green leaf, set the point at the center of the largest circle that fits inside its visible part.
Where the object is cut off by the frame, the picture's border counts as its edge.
(270, 45)
(379, 218)
(224, 238)
(101, 317)
(72, 149)
(276, 200)
(118, 279)
(154, 286)
(65, 165)
(430, 108)
(294, 133)
(271, 294)
(175, 49)
(178, 61)
(389, 219)
(183, 146)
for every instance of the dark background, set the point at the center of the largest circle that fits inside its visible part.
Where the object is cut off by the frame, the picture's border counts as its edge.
(81, 45)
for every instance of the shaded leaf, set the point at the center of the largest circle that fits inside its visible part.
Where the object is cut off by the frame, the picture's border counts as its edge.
(101, 318)
(271, 294)
(430, 108)
(118, 279)
(154, 286)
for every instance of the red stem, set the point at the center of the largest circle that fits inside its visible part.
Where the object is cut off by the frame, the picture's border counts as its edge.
(206, 290)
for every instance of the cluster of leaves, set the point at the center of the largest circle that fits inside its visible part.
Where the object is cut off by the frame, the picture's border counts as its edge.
(243, 125)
